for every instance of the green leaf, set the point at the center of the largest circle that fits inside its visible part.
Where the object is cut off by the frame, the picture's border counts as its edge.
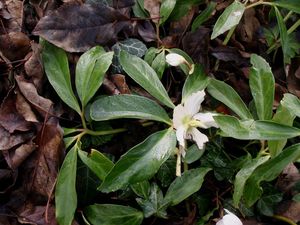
(184, 186)
(145, 76)
(286, 49)
(268, 172)
(90, 71)
(141, 162)
(57, 70)
(262, 87)
(293, 5)
(109, 214)
(296, 197)
(197, 81)
(97, 162)
(269, 200)
(153, 204)
(159, 64)
(150, 55)
(182, 7)
(254, 130)
(292, 103)
(128, 106)
(243, 175)
(166, 9)
(138, 9)
(227, 95)
(204, 16)
(282, 116)
(229, 18)
(65, 190)
(166, 173)
(142, 189)
(193, 153)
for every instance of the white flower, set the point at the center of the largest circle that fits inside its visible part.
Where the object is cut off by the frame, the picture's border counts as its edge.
(175, 59)
(229, 219)
(186, 119)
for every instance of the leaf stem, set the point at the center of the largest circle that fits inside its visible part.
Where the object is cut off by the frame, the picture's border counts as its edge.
(103, 132)
(284, 219)
(262, 2)
(178, 162)
(294, 27)
(228, 36)
(82, 118)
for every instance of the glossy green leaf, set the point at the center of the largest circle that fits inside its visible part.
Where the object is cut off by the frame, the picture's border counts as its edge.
(282, 116)
(254, 130)
(65, 190)
(145, 76)
(166, 9)
(182, 7)
(286, 49)
(229, 18)
(227, 95)
(243, 175)
(268, 172)
(109, 214)
(142, 189)
(150, 55)
(141, 162)
(193, 153)
(204, 16)
(262, 87)
(292, 103)
(293, 5)
(90, 71)
(96, 162)
(197, 81)
(159, 64)
(128, 106)
(184, 186)
(153, 204)
(57, 70)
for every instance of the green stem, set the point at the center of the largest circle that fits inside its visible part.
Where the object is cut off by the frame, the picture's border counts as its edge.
(82, 118)
(287, 16)
(228, 36)
(259, 3)
(104, 132)
(294, 27)
(284, 219)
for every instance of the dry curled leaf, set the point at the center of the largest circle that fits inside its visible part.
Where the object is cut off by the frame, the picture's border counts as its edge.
(76, 28)
(8, 141)
(153, 6)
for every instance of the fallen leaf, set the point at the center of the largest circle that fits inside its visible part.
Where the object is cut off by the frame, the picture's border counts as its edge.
(110, 87)
(90, 25)
(120, 81)
(46, 159)
(117, 4)
(41, 104)
(10, 119)
(8, 179)
(289, 209)
(196, 45)
(33, 66)
(8, 141)
(15, 157)
(14, 45)
(23, 107)
(153, 6)
(15, 9)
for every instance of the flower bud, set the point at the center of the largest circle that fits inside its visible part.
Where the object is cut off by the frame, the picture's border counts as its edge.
(175, 59)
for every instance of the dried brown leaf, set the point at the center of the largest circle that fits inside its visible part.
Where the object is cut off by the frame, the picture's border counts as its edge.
(33, 66)
(120, 81)
(41, 104)
(47, 158)
(15, 9)
(8, 141)
(14, 45)
(24, 108)
(153, 6)
(8, 179)
(10, 119)
(90, 25)
(15, 157)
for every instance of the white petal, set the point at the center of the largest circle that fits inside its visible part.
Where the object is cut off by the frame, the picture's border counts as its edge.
(178, 114)
(206, 119)
(198, 137)
(231, 219)
(175, 59)
(180, 135)
(193, 102)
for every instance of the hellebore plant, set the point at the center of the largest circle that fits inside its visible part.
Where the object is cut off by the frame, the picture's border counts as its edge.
(186, 120)
(175, 59)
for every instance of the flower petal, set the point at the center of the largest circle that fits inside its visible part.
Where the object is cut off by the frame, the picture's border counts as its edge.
(181, 135)
(178, 114)
(175, 59)
(198, 137)
(206, 119)
(193, 102)
(231, 219)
